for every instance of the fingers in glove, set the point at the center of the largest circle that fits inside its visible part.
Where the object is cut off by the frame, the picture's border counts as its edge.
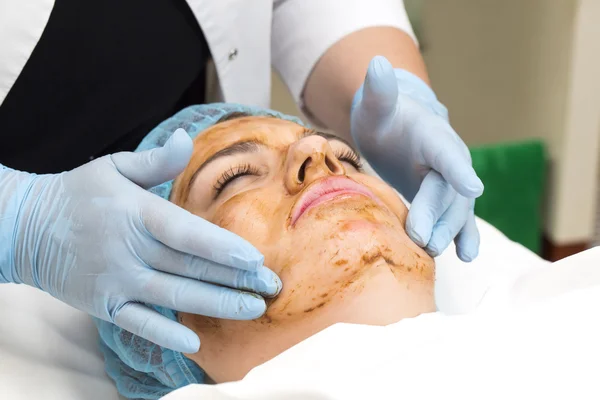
(448, 226)
(445, 154)
(153, 167)
(262, 281)
(183, 231)
(188, 295)
(377, 97)
(467, 241)
(431, 201)
(380, 89)
(151, 325)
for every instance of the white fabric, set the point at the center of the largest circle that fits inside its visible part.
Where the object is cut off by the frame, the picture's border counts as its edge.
(460, 287)
(49, 350)
(303, 30)
(548, 349)
(21, 26)
(290, 34)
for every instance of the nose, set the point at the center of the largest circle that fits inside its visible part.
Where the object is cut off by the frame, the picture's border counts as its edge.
(309, 159)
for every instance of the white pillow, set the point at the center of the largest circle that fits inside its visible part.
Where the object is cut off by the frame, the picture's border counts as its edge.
(48, 350)
(460, 287)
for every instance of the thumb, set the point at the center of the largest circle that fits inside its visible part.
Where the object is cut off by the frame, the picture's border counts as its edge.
(379, 93)
(153, 167)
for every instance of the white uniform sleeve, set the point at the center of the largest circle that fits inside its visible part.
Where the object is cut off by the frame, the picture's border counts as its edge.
(303, 30)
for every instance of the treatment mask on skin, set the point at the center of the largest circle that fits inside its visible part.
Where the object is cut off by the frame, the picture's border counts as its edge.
(141, 369)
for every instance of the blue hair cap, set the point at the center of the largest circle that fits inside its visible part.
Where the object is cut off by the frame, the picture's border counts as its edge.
(140, 368)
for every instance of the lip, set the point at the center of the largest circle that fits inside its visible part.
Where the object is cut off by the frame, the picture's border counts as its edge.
(327, 189)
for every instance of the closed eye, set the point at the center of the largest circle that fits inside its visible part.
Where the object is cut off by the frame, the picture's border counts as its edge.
(231, 175)
(351, 157)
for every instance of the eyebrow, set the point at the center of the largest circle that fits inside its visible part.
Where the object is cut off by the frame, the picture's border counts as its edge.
(253, 146)
(245, 147)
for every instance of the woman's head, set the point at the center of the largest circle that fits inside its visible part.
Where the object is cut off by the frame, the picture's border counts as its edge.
(327, 229)
(346, 258)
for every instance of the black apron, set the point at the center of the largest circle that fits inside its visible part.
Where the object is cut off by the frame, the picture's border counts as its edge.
(103, 74)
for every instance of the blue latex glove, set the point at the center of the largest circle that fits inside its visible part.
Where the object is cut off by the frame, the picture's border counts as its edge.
(95, 239)
(403, 131)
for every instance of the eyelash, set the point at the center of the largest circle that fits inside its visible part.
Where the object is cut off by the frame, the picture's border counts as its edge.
(350, 157)
(238, 171)
(231, 174)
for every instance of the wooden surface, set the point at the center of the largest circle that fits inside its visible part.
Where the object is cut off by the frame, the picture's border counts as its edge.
(553, 252)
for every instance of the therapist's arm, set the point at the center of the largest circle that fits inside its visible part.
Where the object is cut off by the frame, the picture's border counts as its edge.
(339, 73)
(323, 50)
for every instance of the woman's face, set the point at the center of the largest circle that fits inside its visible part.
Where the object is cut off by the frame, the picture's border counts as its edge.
(300, 198)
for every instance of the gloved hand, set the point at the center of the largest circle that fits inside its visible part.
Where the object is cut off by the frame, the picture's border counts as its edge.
(403, 131)
(95, 239)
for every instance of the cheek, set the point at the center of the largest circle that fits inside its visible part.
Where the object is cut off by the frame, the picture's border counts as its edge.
(388, 195)
(244, 215)
(259, 216)
(395, 204)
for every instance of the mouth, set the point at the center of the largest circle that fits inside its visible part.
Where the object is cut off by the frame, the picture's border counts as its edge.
(327, 189)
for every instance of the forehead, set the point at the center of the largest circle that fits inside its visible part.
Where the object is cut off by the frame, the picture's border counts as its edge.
(272, 132)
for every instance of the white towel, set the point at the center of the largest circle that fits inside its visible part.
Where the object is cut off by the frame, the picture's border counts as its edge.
(546, 346)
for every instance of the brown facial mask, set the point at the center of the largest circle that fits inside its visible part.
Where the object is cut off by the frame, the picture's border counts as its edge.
(334, 235)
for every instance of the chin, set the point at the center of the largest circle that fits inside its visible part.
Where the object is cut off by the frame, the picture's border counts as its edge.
(358, 263)
(381, 297)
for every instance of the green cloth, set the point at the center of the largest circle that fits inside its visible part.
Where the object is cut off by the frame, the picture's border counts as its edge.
(514, 177)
